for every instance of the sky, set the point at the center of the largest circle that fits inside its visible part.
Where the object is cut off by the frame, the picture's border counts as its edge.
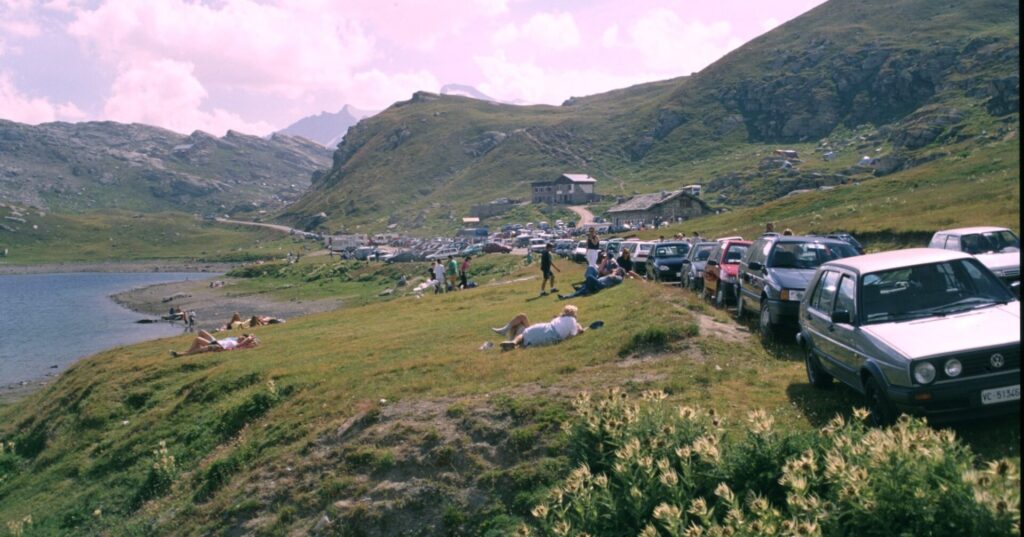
(256, 66)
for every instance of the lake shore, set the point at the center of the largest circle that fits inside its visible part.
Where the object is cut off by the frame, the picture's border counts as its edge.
(117, 266)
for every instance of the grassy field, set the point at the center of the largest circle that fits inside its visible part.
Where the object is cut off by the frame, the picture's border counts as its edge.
(382, 416)
(127, 236)
(978, 186)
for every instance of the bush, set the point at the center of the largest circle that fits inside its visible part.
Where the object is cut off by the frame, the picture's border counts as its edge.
(645, 468)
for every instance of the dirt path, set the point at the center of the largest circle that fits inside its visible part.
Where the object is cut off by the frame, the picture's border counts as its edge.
(586, 217)
(275, 227)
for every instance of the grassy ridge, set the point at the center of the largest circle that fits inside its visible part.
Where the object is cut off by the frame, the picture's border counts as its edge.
(127, 236)
(234, 421)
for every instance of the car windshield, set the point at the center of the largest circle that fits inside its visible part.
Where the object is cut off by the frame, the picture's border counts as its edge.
(808, 255)
(735, 253)
(702, 252)
(929, 290)
(992, 241)
(671, 250)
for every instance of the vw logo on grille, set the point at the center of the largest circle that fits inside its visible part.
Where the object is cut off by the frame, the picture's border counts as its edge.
(997, 360)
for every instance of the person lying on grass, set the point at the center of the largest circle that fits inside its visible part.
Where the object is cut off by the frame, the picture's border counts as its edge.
(521, 333)
(205, 342)
(256, 320)
(594, 284)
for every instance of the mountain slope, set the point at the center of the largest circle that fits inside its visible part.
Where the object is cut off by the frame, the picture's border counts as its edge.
(98, 165)
(325, 128)
(908, 76)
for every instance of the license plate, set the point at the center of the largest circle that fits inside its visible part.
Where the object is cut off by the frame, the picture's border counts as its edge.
(1000, 395)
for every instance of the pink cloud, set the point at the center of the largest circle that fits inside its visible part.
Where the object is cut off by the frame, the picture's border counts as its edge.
(166, 94)
(16, 106)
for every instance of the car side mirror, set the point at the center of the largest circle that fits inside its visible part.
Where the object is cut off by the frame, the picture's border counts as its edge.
(686, 261)
(841, 317)
(711, 262)
(754, 265)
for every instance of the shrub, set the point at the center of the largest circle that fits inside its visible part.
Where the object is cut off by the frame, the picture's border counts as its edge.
(645, 468)
(161, 475)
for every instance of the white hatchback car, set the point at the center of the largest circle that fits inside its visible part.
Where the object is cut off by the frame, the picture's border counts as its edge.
(996, 247)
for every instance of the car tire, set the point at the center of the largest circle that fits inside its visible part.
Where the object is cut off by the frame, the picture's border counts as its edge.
(816, 374)
(764, 323)
(882, 411)
(741, 313)
(720, 297)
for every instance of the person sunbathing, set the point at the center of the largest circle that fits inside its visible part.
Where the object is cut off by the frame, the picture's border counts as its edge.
(263, 320)
(521, 333)
(205, 342)
(235, 322)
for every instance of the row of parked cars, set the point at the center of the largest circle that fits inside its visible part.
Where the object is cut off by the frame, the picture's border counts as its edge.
(932, 331)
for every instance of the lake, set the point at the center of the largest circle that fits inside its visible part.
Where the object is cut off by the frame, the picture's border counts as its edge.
(55, 319)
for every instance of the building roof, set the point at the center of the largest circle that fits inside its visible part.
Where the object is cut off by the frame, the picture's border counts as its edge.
(644, 202)
(895, 259)
(579, 177)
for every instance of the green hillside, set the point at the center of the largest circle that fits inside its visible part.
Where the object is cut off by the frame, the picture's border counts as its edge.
(898, 81)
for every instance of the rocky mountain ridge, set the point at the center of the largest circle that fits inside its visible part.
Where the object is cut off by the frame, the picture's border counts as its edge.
(96, 165)
(923, 74)
(325, 128)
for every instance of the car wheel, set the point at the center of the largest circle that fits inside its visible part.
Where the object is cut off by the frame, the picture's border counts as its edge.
(720, 297)
(816, 375)
(882, 411)
(768, 330)
(741, 313)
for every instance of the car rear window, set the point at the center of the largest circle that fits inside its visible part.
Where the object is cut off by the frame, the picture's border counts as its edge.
(808, 255)
(735, 253)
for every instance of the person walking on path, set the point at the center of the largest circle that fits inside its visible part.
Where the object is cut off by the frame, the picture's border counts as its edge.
(452, 271)
(545, 269)
(463, 269)
(438, 277)
(593, 246)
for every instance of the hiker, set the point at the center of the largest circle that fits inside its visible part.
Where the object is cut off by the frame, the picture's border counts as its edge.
(769, 227)
(438, 277)
(452, 271)
(545, 269)
(625, 261)
(205, 342)
(190, 321)
(463, 268)
(696, 238)
(522, 334)
(593, 246)
(787, 232)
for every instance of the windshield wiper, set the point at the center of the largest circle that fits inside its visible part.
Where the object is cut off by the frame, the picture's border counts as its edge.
(966, 304)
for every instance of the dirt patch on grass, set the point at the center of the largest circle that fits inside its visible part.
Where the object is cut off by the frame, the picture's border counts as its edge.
(729, 332)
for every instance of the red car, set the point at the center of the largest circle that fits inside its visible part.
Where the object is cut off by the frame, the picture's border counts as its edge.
(495, 248)
(720, 271)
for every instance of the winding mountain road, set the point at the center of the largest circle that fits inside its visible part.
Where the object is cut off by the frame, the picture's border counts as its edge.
(586, 217)
(276, 227)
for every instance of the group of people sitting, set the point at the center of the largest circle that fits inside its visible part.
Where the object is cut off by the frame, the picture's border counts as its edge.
(607, 272)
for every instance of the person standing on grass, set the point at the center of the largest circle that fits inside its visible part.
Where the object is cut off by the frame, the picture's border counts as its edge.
(545, 269)
(452, 271)
(438, 277)
(463, 269)
(593, 246)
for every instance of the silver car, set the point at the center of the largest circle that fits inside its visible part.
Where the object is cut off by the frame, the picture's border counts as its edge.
(922, 331)
(996, 247)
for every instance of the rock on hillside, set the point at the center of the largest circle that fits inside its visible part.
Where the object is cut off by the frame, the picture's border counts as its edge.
(925, 73)
(82, 166)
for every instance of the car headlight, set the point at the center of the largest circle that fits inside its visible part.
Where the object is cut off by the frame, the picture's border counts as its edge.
(791, 294)
(924, 372)
(662, 267)
(953, 368)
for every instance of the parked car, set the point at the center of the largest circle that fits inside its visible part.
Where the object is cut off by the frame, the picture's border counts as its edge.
(495, 248)
(996, 247)
(773, 276)
(921, 331)
(693, 266)
(665, 259)
(443, 254)
(579, 254)
(720, 270)
(537, 245)
(843, 236)
(640, 256)
(564, 247)
(403, 257)
(472, 249)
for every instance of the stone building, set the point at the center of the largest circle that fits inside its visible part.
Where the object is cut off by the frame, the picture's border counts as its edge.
(652, 209)
(569, 188)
